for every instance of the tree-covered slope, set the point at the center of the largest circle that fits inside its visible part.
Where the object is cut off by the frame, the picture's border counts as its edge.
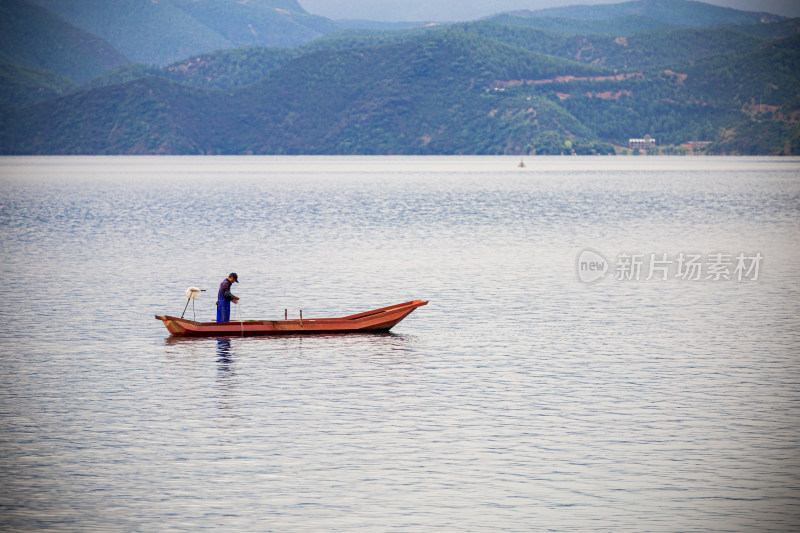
(751, 92)
(619, 26)
(431, 95)
(772, 30)
(147, 116)
(675, 48)
(765, 85)
(645, 50)
(23, 86)
(236, 67)
(767, 74)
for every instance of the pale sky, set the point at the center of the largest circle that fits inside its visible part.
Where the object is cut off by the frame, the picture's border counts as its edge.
(459, 10)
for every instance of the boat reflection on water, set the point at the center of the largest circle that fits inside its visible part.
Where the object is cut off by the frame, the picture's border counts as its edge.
(224, 351)
(226, 375)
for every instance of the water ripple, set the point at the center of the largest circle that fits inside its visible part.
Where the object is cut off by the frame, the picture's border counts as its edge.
(519, 399)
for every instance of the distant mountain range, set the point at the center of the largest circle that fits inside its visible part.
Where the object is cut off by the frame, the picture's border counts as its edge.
(266, 77)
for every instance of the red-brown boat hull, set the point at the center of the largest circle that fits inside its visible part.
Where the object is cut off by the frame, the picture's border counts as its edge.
(377, 320)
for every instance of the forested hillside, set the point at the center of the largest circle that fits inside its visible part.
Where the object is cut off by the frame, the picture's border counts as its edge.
(502, 85)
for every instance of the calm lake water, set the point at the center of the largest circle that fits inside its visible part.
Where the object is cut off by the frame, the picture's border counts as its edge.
(522, 398)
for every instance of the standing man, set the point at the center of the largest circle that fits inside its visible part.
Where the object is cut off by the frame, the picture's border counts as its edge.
(224, 298)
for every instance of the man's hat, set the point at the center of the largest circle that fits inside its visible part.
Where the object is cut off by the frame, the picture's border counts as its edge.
(234, 276)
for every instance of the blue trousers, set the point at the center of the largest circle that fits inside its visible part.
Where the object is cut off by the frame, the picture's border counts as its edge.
(223, 310)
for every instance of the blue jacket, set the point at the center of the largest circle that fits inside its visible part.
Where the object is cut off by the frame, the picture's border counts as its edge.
(225, 291)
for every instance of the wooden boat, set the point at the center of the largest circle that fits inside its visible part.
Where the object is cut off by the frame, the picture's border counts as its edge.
(377, 320)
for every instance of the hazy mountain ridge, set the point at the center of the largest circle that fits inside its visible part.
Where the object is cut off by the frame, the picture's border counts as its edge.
(677, 12)
(33, 37)
(170, 30)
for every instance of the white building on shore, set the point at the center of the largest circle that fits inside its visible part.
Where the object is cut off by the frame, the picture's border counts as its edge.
(642, 144)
